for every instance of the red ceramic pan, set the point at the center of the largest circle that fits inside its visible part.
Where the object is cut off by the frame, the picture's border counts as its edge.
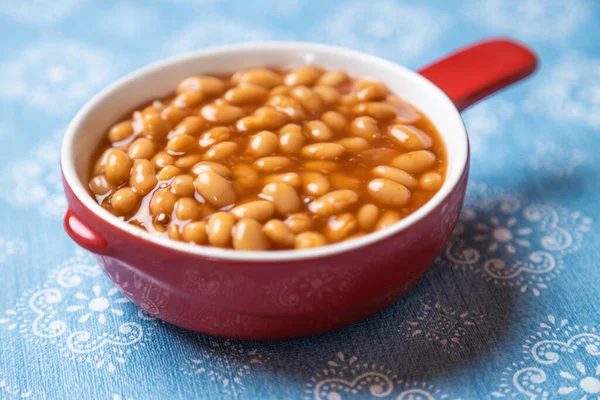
(283, 294)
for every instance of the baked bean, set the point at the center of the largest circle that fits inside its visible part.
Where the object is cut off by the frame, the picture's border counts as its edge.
(290, 138)
(370, 91)
(379, 111)
(310, 101)
(405, 113)
(272, 164)
(189, 100)
(336, 121)
(188, 161)
(317, 130)
(333, 202)
(213, 136)
(248, 235)
(303, 151)
(120, 131)
(298, 223)
(174, 115)
(221, 151)
(291, 178)
(365, 127)
(289, 106)
(205, 210)
(396, 175)
(409, 137)
(307, 76)
(101, 186)
(367, 217)
(339, 227)
(158, 105)
(414, 162)
(283, 196)
(354, 144)
(309, 240)
(333, 78)
(168, 173)
(150, 110)
(162, 202)
(215, 189)
(141, 148)
(245, 175)
(186, 209)
(173, 232)
(315, 184)
(378, 156)
(258, 76)
(260, 210)
(117, 167)
(431, 181)
(183, 185)
(193, 125)
(221, 114)
(328, 95)
(207, 85)
(162, 159)
(265, 118)
(388, 218)
(262, 144)
(181, 144)
(279, 233)
(323, 151)
(341, 181)
(348, 100)
(143, 177)
(355, 235)
(219, 229)
(220, 169)
(124, 201)
(154, 127)
(101, 162)
(388, 193)
(320, 166)
(246, 93)
(279, 90)
(268, 118)
(195, 232)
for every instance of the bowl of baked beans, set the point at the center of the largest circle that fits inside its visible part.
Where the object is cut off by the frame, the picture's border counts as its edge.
(276, 190)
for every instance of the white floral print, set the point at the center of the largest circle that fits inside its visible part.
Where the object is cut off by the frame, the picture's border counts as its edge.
(97, 304)
(13, 389)
(561, 360)
(375, 27)
(441, 325)
(104, 335)
(549, 20)
(513, 242)
(225, 362)
(345, 377)
(56, 77)
(570, 92)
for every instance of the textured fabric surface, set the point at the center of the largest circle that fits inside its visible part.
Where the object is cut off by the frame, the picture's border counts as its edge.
(509, 310)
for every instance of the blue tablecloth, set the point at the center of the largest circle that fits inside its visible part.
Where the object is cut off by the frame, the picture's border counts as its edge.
(509, 310)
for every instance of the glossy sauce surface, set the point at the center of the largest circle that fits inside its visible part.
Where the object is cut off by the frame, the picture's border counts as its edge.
(269, 159)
